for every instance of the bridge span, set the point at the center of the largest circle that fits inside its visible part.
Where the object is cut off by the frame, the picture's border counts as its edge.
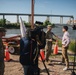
(71, 18)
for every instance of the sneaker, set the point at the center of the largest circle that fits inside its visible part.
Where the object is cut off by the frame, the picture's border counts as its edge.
(64, 69)
(60, 63)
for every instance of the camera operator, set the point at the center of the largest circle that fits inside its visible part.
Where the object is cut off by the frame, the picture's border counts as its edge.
(29, 48)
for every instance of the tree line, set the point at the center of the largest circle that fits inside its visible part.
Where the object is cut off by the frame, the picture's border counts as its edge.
(5, 23)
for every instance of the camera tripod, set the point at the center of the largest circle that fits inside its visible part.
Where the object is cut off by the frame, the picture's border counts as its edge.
(44, 65)
(38, 54)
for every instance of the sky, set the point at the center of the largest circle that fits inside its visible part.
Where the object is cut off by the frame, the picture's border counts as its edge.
(55, 7)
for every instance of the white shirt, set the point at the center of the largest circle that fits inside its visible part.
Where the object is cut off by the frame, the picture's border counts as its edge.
(66, 39)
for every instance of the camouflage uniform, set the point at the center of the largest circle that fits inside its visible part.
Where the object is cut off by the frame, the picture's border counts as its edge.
(2, 65)
(48, 47)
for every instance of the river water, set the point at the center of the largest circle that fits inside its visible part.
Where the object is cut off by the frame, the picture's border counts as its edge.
(57, 30)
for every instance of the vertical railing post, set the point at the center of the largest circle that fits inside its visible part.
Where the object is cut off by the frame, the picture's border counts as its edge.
(17, 19)
(4, 20)
(61, 20)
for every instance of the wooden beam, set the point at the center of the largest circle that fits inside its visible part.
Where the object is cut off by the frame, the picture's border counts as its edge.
(32, 14)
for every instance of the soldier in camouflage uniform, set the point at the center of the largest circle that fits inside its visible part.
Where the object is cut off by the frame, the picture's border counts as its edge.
(49, 40)
(2, 65)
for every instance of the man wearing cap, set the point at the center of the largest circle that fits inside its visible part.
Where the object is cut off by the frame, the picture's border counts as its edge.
(2, 66)
(49, 39)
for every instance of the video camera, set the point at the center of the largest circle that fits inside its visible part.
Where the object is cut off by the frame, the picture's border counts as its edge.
(39, 23)
(37, 29)
(38, 34)
(74, 27)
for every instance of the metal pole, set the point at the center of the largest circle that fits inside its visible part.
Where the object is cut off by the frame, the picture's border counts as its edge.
(17, 19)
(32, 14)
(73, 20)
(4, 22)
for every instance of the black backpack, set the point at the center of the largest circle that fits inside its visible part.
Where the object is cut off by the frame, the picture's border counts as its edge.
(25, 54)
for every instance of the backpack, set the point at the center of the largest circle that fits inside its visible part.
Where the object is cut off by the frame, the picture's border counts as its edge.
(28, 53)
(27, 58)
(25, 53)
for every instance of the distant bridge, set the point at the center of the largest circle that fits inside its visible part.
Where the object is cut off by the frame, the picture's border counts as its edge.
(43, 15)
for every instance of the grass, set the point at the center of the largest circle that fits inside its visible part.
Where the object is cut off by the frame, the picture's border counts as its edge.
(60, 43)
(71, 46)
(71, 58)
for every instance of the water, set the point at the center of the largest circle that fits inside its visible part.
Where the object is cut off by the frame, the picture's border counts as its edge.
(56, 30)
